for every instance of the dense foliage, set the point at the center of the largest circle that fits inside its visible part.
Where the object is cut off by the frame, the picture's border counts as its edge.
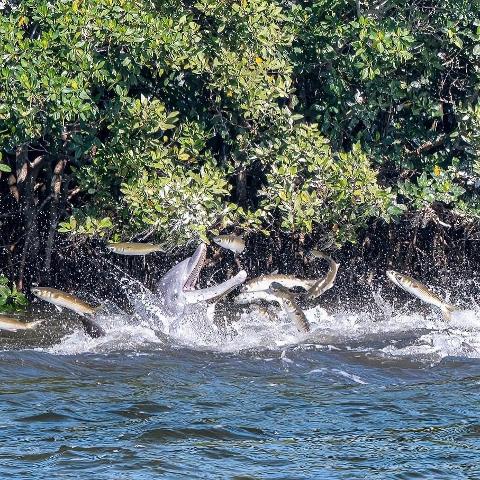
(170, 119)
(11, 300)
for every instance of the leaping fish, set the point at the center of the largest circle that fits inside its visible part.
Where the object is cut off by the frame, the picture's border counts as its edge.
(321, 286)
(232, 242)
(419, 290)
(254, 296)
(11, 324)
(64, 300)
(289, 281)
(293, 311)
(132, 248)
(71, 302)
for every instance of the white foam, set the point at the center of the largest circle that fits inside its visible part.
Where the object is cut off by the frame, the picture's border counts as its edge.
(438, 345)
(122, 333)
(393, 333)
(350, 376)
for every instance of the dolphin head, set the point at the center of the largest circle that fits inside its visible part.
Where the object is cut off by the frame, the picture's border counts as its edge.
(180, 279)
(177, 286)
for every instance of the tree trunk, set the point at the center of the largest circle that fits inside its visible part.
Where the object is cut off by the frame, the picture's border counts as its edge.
(59, 189)
(242, 187)
(27, 173)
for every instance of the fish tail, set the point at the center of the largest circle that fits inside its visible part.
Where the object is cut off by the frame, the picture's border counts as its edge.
(92, 328)
(447, 310)
(98, 309)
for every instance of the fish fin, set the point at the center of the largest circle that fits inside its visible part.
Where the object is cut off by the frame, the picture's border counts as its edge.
(34, 324)
(91, 328)
(447, 310)
(60, 309)
(100, 308)
(275, 272)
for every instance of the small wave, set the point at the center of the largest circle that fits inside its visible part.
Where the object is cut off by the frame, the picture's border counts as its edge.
(44, 417)
(339, 372)
(350, 376)
(212, 433)
(438, 345)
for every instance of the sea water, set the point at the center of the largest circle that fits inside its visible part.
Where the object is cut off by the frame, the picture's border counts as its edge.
(387, 394)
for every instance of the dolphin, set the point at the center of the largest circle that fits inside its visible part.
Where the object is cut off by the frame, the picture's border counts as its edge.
(177, 287)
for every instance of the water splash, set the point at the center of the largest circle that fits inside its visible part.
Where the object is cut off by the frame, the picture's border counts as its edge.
(379, 329)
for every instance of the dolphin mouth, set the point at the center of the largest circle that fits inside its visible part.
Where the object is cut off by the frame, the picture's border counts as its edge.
(177, 287)
(211, 293)
(216, 292)
(199, 260)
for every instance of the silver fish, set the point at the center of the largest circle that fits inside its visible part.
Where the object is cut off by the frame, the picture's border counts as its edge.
(419, 290)
(232, 242)
(245, 298)
(71, 302)
(64, 300)
(293, 311)
(289, 281)
(132, 248)
(11, 324)
(321, 286)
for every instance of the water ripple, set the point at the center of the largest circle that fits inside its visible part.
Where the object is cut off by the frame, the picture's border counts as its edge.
(360, 398)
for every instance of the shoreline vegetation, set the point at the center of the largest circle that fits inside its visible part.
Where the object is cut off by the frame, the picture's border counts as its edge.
(352, 127)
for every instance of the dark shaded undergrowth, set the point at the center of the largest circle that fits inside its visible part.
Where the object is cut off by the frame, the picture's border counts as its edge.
(437, 247)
